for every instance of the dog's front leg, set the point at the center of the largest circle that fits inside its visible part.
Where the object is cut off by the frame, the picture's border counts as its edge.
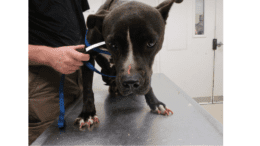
(87, 117)
(156, 105)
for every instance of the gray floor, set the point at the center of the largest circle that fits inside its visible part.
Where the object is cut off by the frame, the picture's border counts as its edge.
(216, 110)
(128, 120)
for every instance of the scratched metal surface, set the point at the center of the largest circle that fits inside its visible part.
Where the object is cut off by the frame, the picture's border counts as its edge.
(128, 121)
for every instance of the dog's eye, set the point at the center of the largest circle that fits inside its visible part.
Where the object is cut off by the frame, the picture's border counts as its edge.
(151, 44)
(113, 46)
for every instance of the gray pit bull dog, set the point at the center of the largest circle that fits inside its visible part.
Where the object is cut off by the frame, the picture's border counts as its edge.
(134, 33)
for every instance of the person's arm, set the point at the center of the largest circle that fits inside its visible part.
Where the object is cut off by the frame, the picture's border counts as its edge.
(38, 55)
(65, 60)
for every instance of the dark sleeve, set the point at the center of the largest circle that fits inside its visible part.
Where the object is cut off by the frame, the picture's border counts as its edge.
(84, 5)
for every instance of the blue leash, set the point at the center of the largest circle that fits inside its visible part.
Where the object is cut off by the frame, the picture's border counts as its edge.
(61, 121)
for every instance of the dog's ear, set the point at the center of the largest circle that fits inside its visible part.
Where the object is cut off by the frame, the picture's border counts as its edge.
(165, 7)
(178, 1)
(96, 20)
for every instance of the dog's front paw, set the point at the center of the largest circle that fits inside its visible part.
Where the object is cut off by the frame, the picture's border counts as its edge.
(89, 123)
(160, 109)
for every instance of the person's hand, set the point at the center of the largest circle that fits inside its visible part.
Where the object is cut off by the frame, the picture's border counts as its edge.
(67, 60)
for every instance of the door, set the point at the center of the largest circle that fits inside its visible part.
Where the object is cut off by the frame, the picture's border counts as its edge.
(218, 76)
(187, 57)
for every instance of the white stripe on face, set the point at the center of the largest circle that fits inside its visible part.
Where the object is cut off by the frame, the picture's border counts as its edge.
(130, 55)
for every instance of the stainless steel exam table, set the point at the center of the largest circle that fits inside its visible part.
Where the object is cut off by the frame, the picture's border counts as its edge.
(128, 120)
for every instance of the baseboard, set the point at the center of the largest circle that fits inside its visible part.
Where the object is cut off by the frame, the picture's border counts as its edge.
(208, 99)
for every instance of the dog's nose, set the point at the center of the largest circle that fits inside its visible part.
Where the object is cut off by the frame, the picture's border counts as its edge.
(131, 82)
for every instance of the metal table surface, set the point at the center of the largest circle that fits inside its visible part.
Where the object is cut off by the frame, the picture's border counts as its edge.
(128, 120)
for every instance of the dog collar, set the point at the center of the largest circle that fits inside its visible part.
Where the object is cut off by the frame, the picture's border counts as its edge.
(94, 48)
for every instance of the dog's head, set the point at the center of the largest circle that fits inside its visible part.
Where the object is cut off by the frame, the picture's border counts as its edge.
(134, 33)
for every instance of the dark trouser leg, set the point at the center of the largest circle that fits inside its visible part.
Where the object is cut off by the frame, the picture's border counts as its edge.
(44, 97)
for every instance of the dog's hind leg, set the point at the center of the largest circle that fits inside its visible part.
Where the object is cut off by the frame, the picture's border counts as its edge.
(156, 105)
(88, 116)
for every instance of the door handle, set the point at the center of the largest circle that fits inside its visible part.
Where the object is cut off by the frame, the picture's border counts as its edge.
(215, 44)
(220, 44)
